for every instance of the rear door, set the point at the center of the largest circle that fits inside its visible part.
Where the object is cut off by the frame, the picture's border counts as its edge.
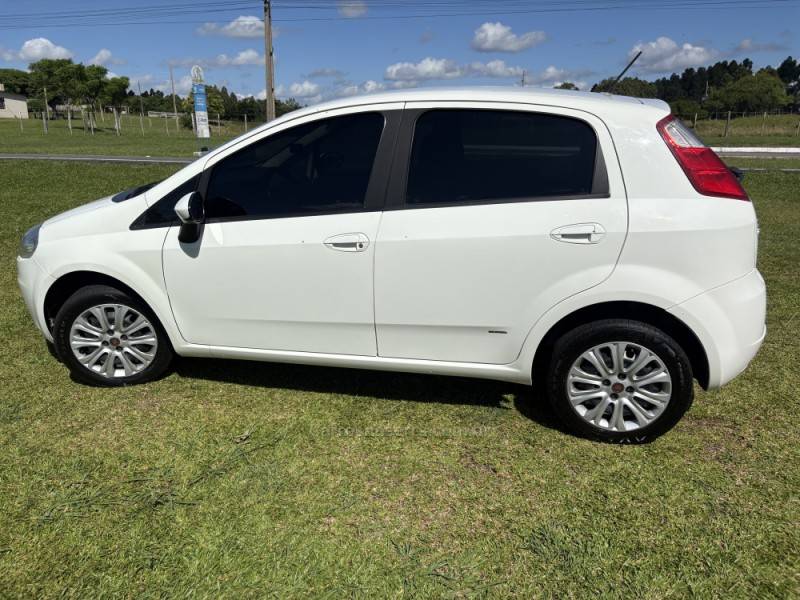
(495, 213)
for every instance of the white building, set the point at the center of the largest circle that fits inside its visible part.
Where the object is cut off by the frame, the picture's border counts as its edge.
(12, 106)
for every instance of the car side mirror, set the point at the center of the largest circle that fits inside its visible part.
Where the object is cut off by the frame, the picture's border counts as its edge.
(191, 212)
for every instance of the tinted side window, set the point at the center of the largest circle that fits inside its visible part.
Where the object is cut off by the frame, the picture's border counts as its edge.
(163, 211)
(316, 168)
(472, 155)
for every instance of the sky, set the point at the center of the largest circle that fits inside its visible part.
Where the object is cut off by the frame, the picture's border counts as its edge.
(330, 48)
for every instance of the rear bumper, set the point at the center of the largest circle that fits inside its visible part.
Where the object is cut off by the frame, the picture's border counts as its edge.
(730, 322)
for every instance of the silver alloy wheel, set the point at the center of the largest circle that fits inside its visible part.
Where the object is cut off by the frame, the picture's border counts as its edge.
(619, 386)
(113, 340)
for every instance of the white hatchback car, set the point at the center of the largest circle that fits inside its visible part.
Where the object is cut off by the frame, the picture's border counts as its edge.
(585, 241)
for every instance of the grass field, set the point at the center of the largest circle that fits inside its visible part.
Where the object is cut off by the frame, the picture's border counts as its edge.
(248, 479)
(159, 140)
(776, 130)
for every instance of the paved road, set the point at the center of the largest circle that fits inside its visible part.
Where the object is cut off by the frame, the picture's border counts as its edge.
(756, 152)
(99, 158)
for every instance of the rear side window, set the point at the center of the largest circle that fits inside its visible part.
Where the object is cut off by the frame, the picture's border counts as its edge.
(462, 156)
(320, 167)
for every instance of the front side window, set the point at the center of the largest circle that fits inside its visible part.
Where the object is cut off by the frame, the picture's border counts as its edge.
(462, 156)
(320, 167)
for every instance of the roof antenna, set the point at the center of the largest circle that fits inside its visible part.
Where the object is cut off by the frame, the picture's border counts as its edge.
(625, 70)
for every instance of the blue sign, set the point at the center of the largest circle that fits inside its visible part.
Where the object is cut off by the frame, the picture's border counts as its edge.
(200, 110)
(199, 91)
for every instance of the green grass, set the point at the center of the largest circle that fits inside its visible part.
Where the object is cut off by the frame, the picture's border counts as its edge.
(156, 141)
(234, 479)
(777, 130)
(160, 141)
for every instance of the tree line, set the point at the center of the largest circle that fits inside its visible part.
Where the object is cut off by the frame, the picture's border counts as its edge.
(723, 86)
(73, 84)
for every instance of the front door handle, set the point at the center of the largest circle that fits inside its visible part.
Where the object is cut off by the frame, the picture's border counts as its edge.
(579, 233)
(348, 242)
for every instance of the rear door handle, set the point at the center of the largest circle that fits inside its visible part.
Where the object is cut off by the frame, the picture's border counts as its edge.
(348, 242)
(579, 233)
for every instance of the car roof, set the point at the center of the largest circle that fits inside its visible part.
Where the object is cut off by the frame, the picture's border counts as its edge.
(588, 101)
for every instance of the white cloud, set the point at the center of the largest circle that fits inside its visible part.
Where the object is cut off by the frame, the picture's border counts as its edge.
(494, 68)
(304, 89)
(427, 68)
(748, 45)
(240, 27)
(443, 68)
(350, 89)
(496, 37)
(35, 49)
(403, 85)
(352, 8)
(242, 59)
(325, 72)
(553, 76)
(105, 58)
(371, 86)
(664, 55)
(245, 57)
(347, 91)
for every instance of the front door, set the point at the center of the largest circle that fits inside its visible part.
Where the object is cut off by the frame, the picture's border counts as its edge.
(285, 258)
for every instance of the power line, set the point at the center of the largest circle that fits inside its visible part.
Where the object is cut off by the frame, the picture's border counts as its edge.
(144, 15)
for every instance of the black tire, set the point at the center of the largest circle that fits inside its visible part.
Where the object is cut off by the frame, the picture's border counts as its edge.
(95, 295)
(579, 340)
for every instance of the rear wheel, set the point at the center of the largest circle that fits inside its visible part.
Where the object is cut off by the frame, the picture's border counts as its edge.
(620, 381)
(107, 338)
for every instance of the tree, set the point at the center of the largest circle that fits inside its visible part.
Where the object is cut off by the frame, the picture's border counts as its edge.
(629, 86)
(567, 85)
(754, 93)
(95, 81)
(686, 108)
(285, 106)
(60, 76)
(115, 90)
(16, 81)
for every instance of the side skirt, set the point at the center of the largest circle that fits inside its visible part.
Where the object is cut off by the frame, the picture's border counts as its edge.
(510, 372)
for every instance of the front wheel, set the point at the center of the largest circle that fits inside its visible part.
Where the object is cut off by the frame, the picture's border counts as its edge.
(619, 380)
(107, 338)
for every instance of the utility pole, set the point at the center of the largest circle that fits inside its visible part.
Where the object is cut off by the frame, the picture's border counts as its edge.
(268, 62)
(524, 73)
(141, 108)
(46, 113)
(174, 102)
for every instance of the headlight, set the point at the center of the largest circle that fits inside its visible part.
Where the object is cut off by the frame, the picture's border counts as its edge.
(27, 245)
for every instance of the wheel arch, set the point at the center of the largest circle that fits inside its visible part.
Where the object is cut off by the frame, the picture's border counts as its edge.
(639, 311)
(69, 283)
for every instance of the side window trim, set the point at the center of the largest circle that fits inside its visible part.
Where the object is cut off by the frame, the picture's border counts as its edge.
(398, 183)
(141, 220)
(375, 196)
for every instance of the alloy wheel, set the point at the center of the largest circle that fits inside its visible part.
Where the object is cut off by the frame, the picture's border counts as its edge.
(113, 340)
(619, 386)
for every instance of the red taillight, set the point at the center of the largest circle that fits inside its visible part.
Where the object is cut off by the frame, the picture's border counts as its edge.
(706, 172)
